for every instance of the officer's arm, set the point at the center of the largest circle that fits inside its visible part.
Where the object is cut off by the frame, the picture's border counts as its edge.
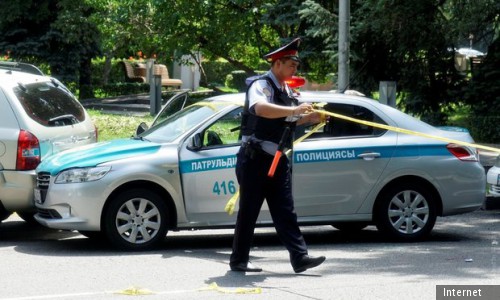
(312, 118)
(273, 111)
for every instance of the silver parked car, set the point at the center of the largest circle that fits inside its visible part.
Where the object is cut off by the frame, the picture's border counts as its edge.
(38, 117)
(179, 174)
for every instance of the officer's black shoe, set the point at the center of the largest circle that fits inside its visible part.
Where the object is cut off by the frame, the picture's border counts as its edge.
(307, 262)
(245, 267)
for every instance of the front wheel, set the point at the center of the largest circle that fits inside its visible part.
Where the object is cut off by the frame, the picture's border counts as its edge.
(136, 220)
(406, 212)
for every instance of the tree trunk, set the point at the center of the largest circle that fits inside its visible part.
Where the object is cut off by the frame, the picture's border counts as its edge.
(86, 90)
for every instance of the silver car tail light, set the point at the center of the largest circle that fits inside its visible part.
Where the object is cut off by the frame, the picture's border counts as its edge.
(28, 151)
(463, 153)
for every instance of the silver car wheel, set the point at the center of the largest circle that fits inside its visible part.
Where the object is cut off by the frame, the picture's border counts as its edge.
(138, 221)
(408, 212)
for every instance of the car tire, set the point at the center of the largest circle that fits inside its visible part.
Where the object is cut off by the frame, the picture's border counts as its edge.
(136, 219)
(406, 212)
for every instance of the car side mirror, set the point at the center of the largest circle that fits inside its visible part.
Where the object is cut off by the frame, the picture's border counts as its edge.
(141, 128)
(196, 142)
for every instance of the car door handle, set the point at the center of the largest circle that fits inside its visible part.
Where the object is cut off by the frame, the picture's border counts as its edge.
(369, 155)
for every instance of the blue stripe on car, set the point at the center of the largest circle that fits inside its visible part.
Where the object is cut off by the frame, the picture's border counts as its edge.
(311, 156)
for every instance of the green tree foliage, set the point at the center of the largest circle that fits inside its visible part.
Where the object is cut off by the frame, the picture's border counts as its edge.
(320, 32)
(25, 28)
(219, 29)
(51, 32)
(405, 42)
(483, 91)
(410, 42)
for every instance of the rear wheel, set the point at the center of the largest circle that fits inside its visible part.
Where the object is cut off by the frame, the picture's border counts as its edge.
(406, 211)
(136, 220)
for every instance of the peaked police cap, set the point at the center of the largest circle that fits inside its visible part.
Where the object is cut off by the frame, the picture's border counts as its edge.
(291, 50)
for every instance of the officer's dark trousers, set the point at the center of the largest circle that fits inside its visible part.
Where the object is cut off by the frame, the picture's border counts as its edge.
(255, 185)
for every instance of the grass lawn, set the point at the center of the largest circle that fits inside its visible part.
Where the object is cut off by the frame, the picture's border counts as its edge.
(113, 126)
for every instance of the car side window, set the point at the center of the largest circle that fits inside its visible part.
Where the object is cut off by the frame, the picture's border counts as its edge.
(340, 128)
(225, 131)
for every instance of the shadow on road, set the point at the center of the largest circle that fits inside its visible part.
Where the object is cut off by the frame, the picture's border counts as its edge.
(459, 246)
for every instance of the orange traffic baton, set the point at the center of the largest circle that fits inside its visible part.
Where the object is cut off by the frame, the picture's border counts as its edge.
(279, 151)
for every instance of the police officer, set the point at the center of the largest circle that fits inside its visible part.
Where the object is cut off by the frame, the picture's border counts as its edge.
(269, 109)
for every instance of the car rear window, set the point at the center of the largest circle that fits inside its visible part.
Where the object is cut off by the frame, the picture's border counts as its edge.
(49, 104)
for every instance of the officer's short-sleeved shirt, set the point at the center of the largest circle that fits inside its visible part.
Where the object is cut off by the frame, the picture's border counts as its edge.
(262, 91)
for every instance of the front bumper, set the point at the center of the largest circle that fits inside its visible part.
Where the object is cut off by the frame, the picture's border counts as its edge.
(75, 206)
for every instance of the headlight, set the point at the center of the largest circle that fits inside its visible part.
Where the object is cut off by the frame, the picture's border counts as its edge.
(82, 175)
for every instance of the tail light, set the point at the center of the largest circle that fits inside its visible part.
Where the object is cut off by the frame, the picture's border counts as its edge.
(463, 153)
(28, 151)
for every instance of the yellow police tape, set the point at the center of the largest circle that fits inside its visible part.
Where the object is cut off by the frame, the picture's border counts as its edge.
(214, 287)
(232, 202)
(407, 131)
(373, 124)
(135, 291)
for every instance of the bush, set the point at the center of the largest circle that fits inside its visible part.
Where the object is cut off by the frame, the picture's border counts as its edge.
(483, 129)
(115, 74)
(121, 88)
(236, 80)
(216, 71)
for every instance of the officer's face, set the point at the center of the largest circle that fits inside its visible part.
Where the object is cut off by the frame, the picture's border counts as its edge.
(286, 68)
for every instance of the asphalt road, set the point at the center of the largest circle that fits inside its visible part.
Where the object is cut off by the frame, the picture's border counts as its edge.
(37, 263)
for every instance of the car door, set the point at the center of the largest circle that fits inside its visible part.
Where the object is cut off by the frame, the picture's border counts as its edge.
(335, 169)
(176, 103)
(207, 170)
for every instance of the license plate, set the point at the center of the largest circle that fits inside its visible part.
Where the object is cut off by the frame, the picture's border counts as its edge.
(38, 196)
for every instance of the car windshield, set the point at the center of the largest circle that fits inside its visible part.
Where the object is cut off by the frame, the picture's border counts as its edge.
(49, 104)
(169, 129)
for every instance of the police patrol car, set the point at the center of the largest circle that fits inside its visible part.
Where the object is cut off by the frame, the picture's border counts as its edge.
(179, 174)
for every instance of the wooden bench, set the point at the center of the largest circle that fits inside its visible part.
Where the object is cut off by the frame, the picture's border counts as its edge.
(130, 74)
(138, 74)
(165, 78)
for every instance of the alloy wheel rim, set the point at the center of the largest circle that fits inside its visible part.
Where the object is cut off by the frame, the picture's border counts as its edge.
(138, 221)
(408, 212)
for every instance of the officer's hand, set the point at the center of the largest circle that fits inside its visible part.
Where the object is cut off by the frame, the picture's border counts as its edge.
(302, 109)
(315, 117)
